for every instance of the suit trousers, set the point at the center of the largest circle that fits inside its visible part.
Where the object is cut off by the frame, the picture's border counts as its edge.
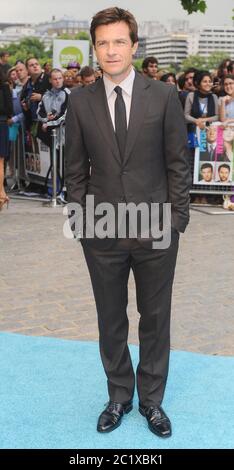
(153, 271)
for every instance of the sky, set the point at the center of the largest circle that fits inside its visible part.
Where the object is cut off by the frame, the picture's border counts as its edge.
(34, 11)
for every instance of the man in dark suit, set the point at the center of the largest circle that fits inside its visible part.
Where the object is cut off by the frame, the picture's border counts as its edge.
(126, 142)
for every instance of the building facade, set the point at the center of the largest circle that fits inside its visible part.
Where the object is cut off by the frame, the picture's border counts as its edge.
(169, 48)
(173, 47)
(216, 38)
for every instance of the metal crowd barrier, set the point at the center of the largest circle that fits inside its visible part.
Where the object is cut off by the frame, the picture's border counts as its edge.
(21, 172)
(54, 165)
(17, 158)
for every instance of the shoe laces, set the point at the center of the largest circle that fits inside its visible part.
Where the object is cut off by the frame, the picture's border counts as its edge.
(113, 407)
(156, 414)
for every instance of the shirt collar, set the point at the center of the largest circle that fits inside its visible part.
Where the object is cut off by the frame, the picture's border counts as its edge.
(126, 84)
(212, 146)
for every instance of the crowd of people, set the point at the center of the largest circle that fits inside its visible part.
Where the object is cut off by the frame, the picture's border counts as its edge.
(37, 96)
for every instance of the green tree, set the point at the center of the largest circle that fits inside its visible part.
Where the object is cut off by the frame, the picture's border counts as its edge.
(80, 35)
(215, 59)
(28, 47)
(138, 64)
(83, 35)
(195, 61)
(173, 67)
(192, 6)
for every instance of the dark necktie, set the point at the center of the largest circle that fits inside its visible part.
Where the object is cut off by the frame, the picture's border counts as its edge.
(212, 151)
(120, 121)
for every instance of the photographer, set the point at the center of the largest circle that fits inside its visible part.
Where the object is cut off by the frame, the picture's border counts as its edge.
(33, 91)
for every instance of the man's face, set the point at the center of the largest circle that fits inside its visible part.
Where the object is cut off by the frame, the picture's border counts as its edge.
(152, 70)
(34, 67)
(47, 68)
(98, 74)
(56, 80)
(5, 58)
(78, 80)
(88, 80)
(21, 71)
(114, 50)
(207, 174)
(211, 134)
(189, 82)
(224, 174)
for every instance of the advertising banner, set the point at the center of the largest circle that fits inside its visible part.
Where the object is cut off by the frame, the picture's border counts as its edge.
(214, 156)
(70, 50)
(37, 159)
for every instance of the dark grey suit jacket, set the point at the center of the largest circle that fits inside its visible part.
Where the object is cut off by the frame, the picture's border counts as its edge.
(155, 166)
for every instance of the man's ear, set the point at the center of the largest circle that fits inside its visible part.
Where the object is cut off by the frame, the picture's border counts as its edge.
(94, 49)
(134, 47)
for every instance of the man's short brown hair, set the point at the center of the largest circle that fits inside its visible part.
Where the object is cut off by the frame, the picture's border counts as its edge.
(114, 15)
(149, 60)
(86, 71)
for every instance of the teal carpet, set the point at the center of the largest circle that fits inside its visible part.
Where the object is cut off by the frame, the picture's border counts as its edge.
(52, 392)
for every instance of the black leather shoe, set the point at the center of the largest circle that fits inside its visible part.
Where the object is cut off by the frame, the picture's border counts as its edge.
(158, 421)
(111, 417)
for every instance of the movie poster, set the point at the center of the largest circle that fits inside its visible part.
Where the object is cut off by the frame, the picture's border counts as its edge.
(214, 157)
(37, 157)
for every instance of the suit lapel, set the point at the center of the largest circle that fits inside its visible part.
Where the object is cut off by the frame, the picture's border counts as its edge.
(139, 106)
(100, 109)
(99, 105)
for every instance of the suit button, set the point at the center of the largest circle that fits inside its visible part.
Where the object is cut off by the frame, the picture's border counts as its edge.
(123, 172)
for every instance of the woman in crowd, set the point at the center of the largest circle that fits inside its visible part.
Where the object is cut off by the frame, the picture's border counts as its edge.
(222, 71)
(230, 68)
(223, 68)
(226, 107)
(169, 78)
(226, 115)
(6, 111)
(69, 79)
(12, 77)
(201, 109)
(201, 106)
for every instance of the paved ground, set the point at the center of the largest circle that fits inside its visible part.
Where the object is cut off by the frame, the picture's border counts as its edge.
(45, 288)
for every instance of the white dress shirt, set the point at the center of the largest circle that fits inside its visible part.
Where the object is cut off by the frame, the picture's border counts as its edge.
(127, 86)
(211, 147)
